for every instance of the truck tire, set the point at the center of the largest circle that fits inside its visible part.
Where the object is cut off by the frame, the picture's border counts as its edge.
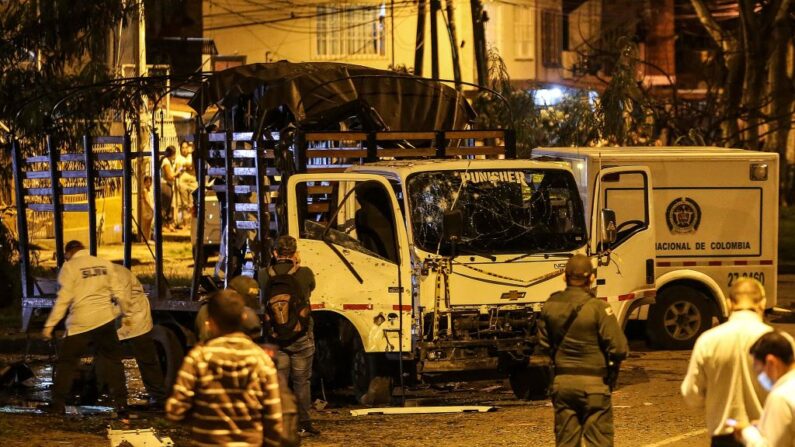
(371, 385)
(170, 353)
(328, 364)
(531, 382)
(678, 317)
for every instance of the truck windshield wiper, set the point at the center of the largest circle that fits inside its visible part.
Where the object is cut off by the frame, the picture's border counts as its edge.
(325, 238)
(342, 257)
(545, 255)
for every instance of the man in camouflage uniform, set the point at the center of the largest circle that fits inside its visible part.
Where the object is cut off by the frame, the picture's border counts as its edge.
(583, 337)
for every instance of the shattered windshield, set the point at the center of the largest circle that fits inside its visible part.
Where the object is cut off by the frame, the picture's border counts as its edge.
(505, 211)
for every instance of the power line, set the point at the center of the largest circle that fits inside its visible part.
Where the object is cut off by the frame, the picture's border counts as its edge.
(294, 16)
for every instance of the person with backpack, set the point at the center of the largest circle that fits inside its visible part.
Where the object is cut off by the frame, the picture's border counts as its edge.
(586, 344)
(286, 286)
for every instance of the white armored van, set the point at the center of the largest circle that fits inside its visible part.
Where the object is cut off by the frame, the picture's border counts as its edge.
(716, 213)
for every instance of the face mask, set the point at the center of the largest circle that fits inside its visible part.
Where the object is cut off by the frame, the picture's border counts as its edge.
(765, 381)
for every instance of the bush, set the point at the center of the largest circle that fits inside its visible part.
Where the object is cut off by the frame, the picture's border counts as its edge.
(9, 266)
(786, 236)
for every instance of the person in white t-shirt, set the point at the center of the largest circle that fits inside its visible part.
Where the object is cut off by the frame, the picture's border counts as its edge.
(774, 363)
(720, 376)
(147, 209)
(168, 178)
(186, 183)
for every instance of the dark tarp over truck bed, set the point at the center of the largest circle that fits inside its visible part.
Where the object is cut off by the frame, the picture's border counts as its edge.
(319, 94)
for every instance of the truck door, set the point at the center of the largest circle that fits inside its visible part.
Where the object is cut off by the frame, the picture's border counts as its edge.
(625, 275)
(350, 232)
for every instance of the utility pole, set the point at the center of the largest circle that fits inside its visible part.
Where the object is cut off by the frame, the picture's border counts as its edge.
(435, 6)
(392, 29)
(453, 43)
(479, 35)
(139, 55)
(140, 39)
(419, 47)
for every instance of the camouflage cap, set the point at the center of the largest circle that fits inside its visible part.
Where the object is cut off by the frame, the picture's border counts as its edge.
(579, 267)
(247, 287)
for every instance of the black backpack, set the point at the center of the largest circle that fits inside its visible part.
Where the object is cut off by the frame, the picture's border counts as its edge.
(286, 309)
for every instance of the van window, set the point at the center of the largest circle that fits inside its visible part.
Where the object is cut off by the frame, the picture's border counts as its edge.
(625, 193)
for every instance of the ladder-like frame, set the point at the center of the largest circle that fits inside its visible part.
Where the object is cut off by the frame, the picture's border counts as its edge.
(25, 169)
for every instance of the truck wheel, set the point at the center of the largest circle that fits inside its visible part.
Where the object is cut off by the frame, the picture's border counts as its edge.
(530, 382)
(327, 365)
(678, 317)
(169, 352)
(370, 384)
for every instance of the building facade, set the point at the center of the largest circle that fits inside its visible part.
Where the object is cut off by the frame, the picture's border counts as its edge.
(528, 34)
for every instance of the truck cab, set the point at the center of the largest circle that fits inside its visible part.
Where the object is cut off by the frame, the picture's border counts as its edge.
(388, 260)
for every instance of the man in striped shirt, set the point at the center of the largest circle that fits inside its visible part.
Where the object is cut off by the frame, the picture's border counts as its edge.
(227, 389)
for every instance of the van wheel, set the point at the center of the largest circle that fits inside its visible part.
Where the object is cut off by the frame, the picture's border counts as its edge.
(678, 317)
(370, 383)
(169, 352)
(530, 382)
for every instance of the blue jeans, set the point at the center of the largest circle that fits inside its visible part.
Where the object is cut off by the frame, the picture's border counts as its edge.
(294, 361)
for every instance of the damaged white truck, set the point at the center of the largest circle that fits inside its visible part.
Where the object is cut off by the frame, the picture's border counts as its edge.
(437, 265)
(434, 249)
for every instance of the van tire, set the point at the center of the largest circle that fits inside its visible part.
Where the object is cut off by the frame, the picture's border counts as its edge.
(678, 317)
(170, 353)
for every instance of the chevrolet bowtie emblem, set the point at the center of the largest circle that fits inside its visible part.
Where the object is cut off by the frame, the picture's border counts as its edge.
(513, 295)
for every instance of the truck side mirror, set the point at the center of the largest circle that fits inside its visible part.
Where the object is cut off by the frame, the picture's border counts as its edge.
(452, 225)
(608, 227)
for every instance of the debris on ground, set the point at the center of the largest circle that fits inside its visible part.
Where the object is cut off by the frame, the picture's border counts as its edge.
(424, 410)
(138, 438)
(17, 374)
(320, 404)
(491, 389)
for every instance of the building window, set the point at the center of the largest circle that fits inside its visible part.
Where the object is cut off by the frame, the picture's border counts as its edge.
(551, 37)
(351, 30)
(524, 23)
(222, 62)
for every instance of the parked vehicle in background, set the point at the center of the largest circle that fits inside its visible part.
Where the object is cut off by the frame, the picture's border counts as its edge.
(716, 221)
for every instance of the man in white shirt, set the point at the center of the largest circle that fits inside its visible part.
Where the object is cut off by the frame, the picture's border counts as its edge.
(136, 329)
(186, 182)
(87, 285)
(720, 376)
(773, 361)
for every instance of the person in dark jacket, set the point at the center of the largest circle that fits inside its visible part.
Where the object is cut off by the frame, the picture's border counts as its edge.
(294, 358)
(585, 342)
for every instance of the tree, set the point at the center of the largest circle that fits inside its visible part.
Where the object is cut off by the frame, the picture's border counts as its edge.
(49, 49)
(757, 88)
(52, 51)
(622, 115)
